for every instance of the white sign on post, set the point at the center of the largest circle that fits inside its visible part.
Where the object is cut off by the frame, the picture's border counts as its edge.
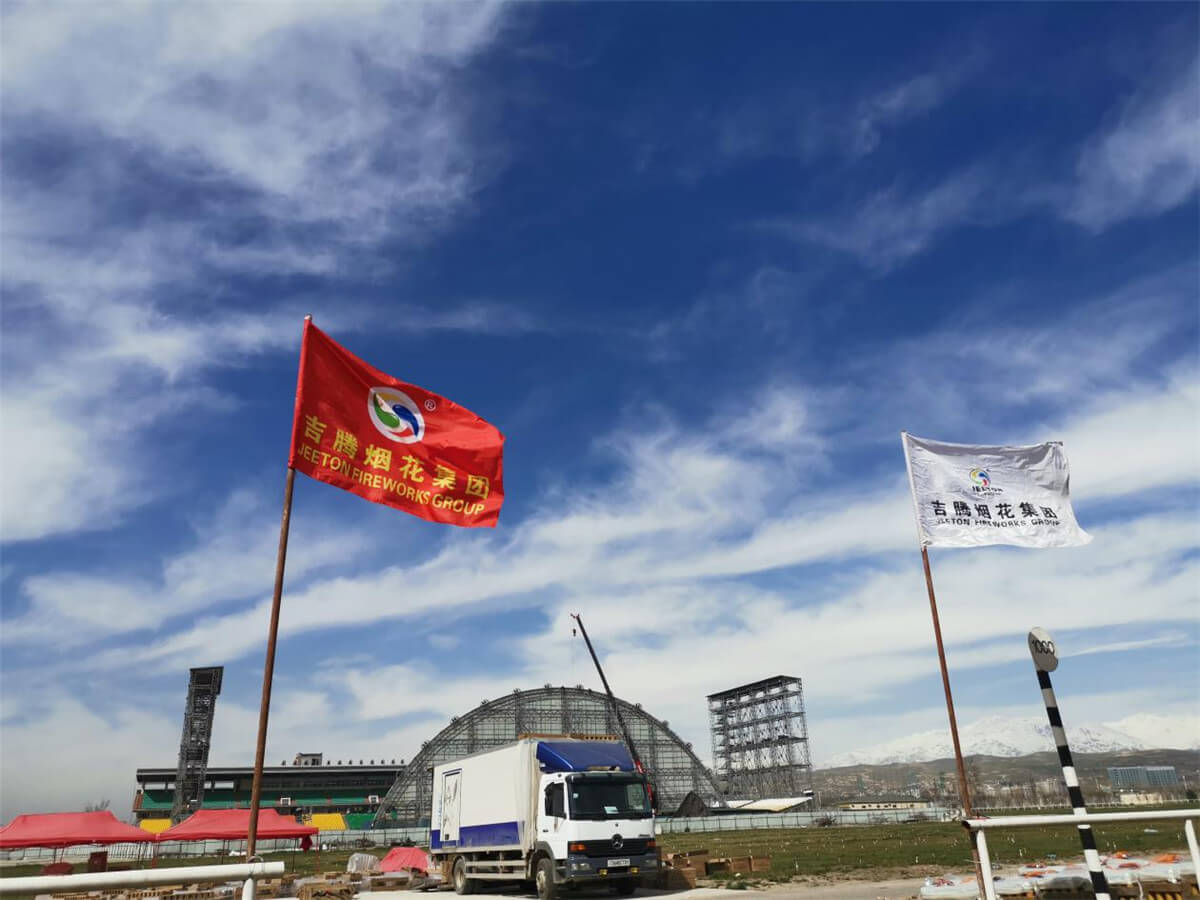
(1041, 647)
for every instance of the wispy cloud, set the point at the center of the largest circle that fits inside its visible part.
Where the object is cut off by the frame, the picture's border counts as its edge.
(789, 122)
(895, 223)
(232, 559)
(1146, 162)
(182, 168)
(906, 100)
(690, 513)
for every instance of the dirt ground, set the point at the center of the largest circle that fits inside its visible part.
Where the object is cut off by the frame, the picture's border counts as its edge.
(902, 889)
(816, 889)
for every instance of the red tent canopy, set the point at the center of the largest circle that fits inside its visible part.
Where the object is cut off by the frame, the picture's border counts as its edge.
(68, 829)
(234, 825)
(400, 858)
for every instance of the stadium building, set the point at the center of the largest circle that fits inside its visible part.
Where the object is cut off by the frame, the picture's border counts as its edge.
(334, 796)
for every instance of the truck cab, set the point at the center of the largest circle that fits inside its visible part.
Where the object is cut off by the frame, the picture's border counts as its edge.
(595, 825)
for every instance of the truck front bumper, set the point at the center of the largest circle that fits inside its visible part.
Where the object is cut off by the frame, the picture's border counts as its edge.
(586, 868)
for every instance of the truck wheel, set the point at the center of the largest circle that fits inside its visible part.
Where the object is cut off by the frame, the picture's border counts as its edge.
(462, 884)
(625, 887)
(544, 880)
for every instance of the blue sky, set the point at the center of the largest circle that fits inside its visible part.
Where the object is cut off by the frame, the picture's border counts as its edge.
(701, 263)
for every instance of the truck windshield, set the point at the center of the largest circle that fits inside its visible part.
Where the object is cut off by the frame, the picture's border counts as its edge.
(608, 798)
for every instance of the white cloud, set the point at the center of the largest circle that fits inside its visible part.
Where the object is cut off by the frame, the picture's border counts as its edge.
(65, 754)
(291, 116)
(1137, 440)
(1146, 163)
(893, 224)
(232, 558)
(247, 102)
(907, 100)
(650, 549)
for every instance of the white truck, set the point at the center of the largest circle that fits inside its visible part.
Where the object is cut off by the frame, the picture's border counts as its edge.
(552, 811)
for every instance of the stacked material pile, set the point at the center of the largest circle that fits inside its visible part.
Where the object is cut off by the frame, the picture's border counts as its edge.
(680, 870)
(1166, 877)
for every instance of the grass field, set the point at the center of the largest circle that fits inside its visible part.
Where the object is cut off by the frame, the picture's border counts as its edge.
(917, 848)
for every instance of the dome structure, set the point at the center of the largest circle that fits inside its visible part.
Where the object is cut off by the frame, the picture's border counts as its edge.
(671, 766)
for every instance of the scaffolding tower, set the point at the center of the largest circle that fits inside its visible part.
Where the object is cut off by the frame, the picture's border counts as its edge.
(760, 739)
(203, 688)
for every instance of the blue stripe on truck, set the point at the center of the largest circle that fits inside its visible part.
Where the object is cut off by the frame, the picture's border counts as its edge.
(497, 834)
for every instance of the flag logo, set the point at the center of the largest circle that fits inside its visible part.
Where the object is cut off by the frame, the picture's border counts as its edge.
(981, 477)
(395, 415)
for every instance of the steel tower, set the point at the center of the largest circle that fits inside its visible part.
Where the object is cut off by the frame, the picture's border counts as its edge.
(203, 688)
(760, 739)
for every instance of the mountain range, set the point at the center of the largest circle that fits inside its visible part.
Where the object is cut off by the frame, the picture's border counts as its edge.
(1011, 737)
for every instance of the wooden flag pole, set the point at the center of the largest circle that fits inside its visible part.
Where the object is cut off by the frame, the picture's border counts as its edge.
(264, 708)
(964, 794)
(272, 634)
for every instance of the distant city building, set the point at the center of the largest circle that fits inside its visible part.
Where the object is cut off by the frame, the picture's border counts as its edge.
(1123, 778)
(1140, 798)
(886, 803)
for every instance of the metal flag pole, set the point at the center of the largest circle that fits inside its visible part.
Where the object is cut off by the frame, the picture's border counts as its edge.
(272, 634)
(1045, 661)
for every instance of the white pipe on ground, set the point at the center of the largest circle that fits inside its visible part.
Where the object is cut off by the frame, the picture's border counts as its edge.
(985, 866)
(1033, 821)
(99, 881)
(1190, 831)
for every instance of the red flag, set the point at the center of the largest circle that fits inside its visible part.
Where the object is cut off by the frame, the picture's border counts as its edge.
(391, 442)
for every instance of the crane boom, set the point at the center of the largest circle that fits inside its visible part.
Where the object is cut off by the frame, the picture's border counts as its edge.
(637, 760)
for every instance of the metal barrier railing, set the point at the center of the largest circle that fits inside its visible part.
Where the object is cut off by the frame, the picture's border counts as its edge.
(102, 881)
(980, 827)
(750, 821)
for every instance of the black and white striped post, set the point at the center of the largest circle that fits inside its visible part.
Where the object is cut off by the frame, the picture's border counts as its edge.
(1045, 661)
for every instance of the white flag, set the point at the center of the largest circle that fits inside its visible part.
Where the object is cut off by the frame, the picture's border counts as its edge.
(968, 496)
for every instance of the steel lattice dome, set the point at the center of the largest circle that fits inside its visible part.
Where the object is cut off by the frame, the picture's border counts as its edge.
(672, 767)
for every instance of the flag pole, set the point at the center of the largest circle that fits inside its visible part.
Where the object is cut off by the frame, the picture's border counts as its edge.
(272, 634)
(964, 792)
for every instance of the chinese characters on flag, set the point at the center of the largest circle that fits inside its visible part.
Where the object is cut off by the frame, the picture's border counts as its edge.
(391, 442)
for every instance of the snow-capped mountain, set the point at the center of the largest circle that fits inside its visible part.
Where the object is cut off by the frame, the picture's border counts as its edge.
(1165, 732)
(1000, 736)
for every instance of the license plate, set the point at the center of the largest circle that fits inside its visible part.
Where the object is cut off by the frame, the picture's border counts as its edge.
(618, 863)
